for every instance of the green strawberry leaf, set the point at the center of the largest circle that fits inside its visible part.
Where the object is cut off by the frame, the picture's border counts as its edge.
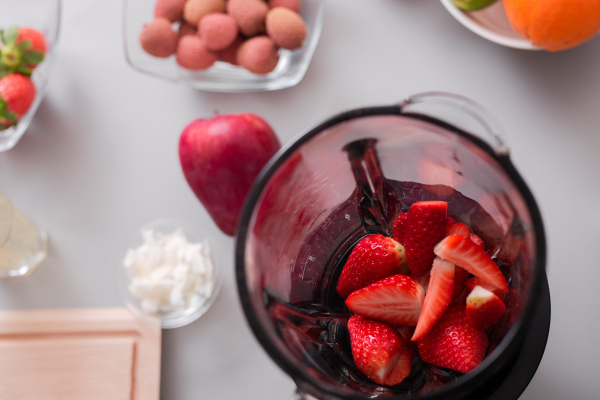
(33, 57)
(10, 116)
(24, 45)
(23, 70)
(9, 36)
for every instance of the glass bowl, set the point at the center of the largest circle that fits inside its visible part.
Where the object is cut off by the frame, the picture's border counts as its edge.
(169, 275)
(43, 15)
(221, 77)
(490, 23)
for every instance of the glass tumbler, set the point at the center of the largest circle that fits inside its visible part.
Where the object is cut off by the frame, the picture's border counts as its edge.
(23, 245)
(350, 176)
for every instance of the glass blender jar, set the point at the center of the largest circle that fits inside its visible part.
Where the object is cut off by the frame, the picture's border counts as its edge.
(351, 176)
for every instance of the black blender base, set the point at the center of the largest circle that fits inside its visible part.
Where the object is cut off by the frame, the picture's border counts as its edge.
(511, 384)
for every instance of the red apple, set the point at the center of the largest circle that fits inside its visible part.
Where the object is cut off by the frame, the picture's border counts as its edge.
(221, 157)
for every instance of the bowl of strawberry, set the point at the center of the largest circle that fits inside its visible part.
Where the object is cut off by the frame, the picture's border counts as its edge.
(27, 43)
(396, 252)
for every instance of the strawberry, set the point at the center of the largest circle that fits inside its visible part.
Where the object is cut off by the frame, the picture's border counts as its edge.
(458, 228)
(476, 281)
(477, 240)
(484, 307)
(438, 296)
(22, 50)
(461, 276)
(35, 37)
(373, 258)
(466, 254)
(425, 227)
(454, 342)
(396, 300)
(399, 228)
(17, 93)
(379, 350)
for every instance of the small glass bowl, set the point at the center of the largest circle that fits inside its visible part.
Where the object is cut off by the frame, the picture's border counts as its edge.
(221, 77)
(188, 308)
(43, 15)
(490, 23)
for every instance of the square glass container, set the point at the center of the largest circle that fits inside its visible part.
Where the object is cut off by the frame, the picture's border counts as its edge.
(222, 76)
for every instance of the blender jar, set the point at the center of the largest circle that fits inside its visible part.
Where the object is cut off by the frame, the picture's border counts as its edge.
(352, 176)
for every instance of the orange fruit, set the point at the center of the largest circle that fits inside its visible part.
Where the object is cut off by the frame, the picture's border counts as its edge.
(554, 24)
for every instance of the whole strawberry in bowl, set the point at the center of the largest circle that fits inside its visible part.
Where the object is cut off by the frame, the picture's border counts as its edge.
(28, 37)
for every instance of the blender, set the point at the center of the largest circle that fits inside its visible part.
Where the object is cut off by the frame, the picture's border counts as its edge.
(351, 176)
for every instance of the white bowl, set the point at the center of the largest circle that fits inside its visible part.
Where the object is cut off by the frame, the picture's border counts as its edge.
(490, 23)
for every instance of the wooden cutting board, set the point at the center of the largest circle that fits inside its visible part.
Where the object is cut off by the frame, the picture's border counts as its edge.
(77, 354)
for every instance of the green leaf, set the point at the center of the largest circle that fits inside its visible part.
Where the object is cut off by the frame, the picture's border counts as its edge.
(9, 36)
(23, 70)
(5, 113)
(33, 57)
(24, 45)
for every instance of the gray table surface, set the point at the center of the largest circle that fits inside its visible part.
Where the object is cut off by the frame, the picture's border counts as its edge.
(100, 159)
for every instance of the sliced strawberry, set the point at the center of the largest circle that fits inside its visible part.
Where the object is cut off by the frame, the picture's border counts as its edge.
(399, 228)
(458, 228)
(477, 240)
(407, 332)
(397, 300)
(373, 258)
(466, 254)
(454, 342)
(461, 276)
(451, 220)
(379, 350)
(438, 296)
(425, 227)
(476, 281)
(484, 307)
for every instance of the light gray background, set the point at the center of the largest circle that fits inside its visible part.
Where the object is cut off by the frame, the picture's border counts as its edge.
(100, 159)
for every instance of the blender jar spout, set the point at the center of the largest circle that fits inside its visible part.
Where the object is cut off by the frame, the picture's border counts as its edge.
(460, 112)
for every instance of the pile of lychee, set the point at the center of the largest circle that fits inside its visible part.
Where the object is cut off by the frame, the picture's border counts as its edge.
(246, 33)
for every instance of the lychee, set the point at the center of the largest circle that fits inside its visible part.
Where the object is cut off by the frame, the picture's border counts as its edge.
(193, 54)
(194, 10)
(169, 9)
(294, 5)
(186, 29)
(285, 27)
(158, 38)
(229, 54)
(258, 54)
(218, 30)
(249, 15)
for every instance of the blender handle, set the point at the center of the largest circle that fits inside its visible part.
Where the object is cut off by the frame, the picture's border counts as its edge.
(460, 112)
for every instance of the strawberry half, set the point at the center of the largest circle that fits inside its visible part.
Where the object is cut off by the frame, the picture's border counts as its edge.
(458, 228)
(454, 342)
(397, 300)
(425, 227)
(461, 276)
(399, 228)
(477, 240)
(373, 258)
(484, 307)
(379, 350)
(466, 254)
(439, 295)
(476, 281)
